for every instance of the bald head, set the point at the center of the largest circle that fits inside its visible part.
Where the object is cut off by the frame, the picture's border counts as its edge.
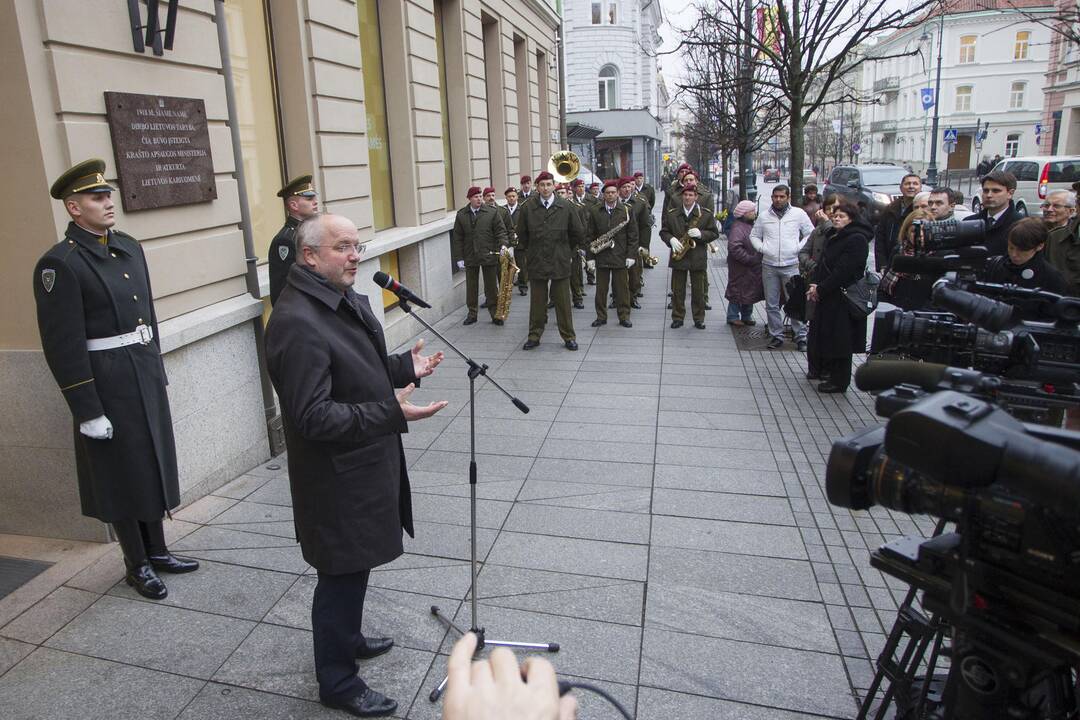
(330, 246)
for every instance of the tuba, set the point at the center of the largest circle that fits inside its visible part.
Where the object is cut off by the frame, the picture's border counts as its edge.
(564, 165)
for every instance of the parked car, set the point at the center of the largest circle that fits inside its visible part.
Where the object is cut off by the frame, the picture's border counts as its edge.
(772, 175)
(1036, 176)
(809, 176)
(874, 186)
(751, 189)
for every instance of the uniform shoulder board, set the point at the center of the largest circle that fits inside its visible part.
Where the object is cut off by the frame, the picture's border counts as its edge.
(672, 210)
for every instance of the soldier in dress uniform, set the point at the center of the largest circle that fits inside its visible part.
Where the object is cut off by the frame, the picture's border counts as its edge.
(510, 215)
(643, 188)
(550, 233)
(613, 263)
(301, 202)
(522, 262)
(594, 190)
(671, 197)
(476, 241)
(707, 201)
(581, 201)
(681, 224)
(99, 334)
(639, 208)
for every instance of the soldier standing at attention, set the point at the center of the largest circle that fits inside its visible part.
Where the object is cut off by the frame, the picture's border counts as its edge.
(581, 201)
(549, 233)
(683, 224)
(99, 335)
(642, 215)
(643, 188)
(477, 240)
(612, 263)
(489, 197)
(301, 202)
(522, 262)
(594, 190)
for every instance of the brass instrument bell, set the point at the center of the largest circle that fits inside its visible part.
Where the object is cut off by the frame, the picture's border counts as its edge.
(564, 165)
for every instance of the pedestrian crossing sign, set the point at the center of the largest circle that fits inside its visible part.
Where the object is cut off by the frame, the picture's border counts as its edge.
(951, 135)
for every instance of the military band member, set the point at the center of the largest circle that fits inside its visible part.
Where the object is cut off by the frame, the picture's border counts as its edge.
(639, 209)
(489, 197)
(550, 233)
(643, 188)
(581, 201)
(594, 190)
(301, 202)
(522, 262)
(708, 202)
(99, 334)
(526, 188)
(612, 264)
(671, 198)
(476, 241)
(688, 221)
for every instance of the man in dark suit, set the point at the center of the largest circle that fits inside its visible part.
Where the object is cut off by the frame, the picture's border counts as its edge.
(343, 422)
(997, 211)
(301, 202)
(99, 335)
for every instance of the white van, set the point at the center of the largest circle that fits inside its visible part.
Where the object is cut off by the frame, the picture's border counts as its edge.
(1036, 176)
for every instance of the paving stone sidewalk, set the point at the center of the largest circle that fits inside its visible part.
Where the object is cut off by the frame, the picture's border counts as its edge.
(660, 513)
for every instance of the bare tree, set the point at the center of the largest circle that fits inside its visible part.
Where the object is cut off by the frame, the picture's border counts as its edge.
(806, 46)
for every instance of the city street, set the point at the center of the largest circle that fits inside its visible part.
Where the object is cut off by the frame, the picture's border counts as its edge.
(659, 512)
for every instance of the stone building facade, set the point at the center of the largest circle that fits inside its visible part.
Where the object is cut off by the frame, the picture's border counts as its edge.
(395, 106)
(1061, 110)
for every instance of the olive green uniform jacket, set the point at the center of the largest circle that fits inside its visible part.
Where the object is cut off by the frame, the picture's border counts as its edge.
(550, 237)
(626, 240)
(477, 240)
(676, 224)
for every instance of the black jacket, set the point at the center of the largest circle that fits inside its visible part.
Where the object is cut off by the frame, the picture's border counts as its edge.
(87, 290)
(350, 490)
(997, 235)
(843, 262)
(1035, 273)
(887, 232)
(282, 256)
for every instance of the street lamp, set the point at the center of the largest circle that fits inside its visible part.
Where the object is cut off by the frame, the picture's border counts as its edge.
(931, 170)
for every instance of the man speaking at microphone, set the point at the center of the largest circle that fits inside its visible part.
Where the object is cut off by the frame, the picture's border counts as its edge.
(343, 422)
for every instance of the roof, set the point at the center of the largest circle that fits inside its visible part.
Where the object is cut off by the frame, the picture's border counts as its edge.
(960, 7)
(581, 131)
(618, 123)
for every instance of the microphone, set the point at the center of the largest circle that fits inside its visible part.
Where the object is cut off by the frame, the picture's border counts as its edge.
(884, 374)
(388, 283)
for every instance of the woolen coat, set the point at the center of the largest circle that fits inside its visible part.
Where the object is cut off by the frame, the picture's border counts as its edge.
(626, 240)
(744, 266)
(85, 289)
(550, 237)
(642, 213)
(477, 239)
(350, 489)
(843, 262)
(675, 225)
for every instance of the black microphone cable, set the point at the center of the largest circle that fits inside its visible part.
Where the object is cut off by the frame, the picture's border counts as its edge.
(566, 686)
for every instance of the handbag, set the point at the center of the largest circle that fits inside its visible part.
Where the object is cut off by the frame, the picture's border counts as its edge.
(794, 303)
(862, 295)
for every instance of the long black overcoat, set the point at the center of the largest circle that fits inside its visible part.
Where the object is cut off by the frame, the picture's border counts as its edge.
(327, 359)
(839, 332)
(86, 289)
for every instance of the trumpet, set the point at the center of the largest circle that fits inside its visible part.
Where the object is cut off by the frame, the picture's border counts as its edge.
(648, 260)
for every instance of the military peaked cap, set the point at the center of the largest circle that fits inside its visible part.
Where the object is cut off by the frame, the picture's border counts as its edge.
(87, 176)
(298, 186)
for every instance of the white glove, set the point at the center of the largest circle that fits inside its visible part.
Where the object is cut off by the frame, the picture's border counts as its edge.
(581, 252)
(506, 250)
(629, 263)
(676, 246)
(694, 233)
(590, 265)
(97, 429)
(460, 264)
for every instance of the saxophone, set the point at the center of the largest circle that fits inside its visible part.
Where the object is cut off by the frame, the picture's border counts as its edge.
(508, 270)
(607, 240)
(688, 243)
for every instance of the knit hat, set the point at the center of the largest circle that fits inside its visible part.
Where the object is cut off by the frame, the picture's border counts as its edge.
(744, 206)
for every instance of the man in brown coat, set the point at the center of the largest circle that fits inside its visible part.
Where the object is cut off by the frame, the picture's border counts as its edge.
(612, 216)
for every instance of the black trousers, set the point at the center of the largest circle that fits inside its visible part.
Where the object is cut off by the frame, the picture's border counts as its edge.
(337, 611)
(836, 370)
(139, 539)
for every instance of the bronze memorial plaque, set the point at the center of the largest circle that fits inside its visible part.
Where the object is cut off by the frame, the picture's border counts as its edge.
(162, 150)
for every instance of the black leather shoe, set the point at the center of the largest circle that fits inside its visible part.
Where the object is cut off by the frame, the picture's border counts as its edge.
(635, 304)
(699, 325)
(146, 582)
(579, 305)
(708, 306)
(749, 323)
(828, 387)
(598, 323)
(469, 321)
(523, 290)
(676, 324)
(571, 344)
(611, 305)
(530, 344)
(626, 323)
(367, 704)
(669, 305)
(373, 647)
(551, 304)
(171, 564)
(496, 321)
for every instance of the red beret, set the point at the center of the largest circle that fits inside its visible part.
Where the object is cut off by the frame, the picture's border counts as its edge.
(639, 174)
(611, 183)
(595, 184)
(472, 191)
(509, 190)
(526, 178)
(577, 182)
(691, 186)
(684, 166)
(544, 176)
(489, 190)
(626, 181)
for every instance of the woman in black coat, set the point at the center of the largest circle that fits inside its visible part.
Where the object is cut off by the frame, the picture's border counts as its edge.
(837, 332)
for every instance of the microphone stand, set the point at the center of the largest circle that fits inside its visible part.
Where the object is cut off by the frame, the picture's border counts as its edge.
(474, 371)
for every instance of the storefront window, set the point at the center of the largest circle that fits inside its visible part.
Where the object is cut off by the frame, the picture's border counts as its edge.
(382, 196)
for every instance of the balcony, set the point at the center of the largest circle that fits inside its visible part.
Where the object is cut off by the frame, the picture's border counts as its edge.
(883, 126)
(887, 85)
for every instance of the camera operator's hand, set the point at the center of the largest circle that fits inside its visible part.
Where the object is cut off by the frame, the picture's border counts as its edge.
(498, 689)
(416, 412)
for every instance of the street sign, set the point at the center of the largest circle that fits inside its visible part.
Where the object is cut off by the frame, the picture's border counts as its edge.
(951, 135)
(950, 147)
(856, 148)
(927, 95)
(1038, 128)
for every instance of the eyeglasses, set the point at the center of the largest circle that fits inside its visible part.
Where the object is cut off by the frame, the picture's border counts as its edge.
(1056, 206)
(346, 248)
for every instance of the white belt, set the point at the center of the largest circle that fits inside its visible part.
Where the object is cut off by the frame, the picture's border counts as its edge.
(142, 335)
